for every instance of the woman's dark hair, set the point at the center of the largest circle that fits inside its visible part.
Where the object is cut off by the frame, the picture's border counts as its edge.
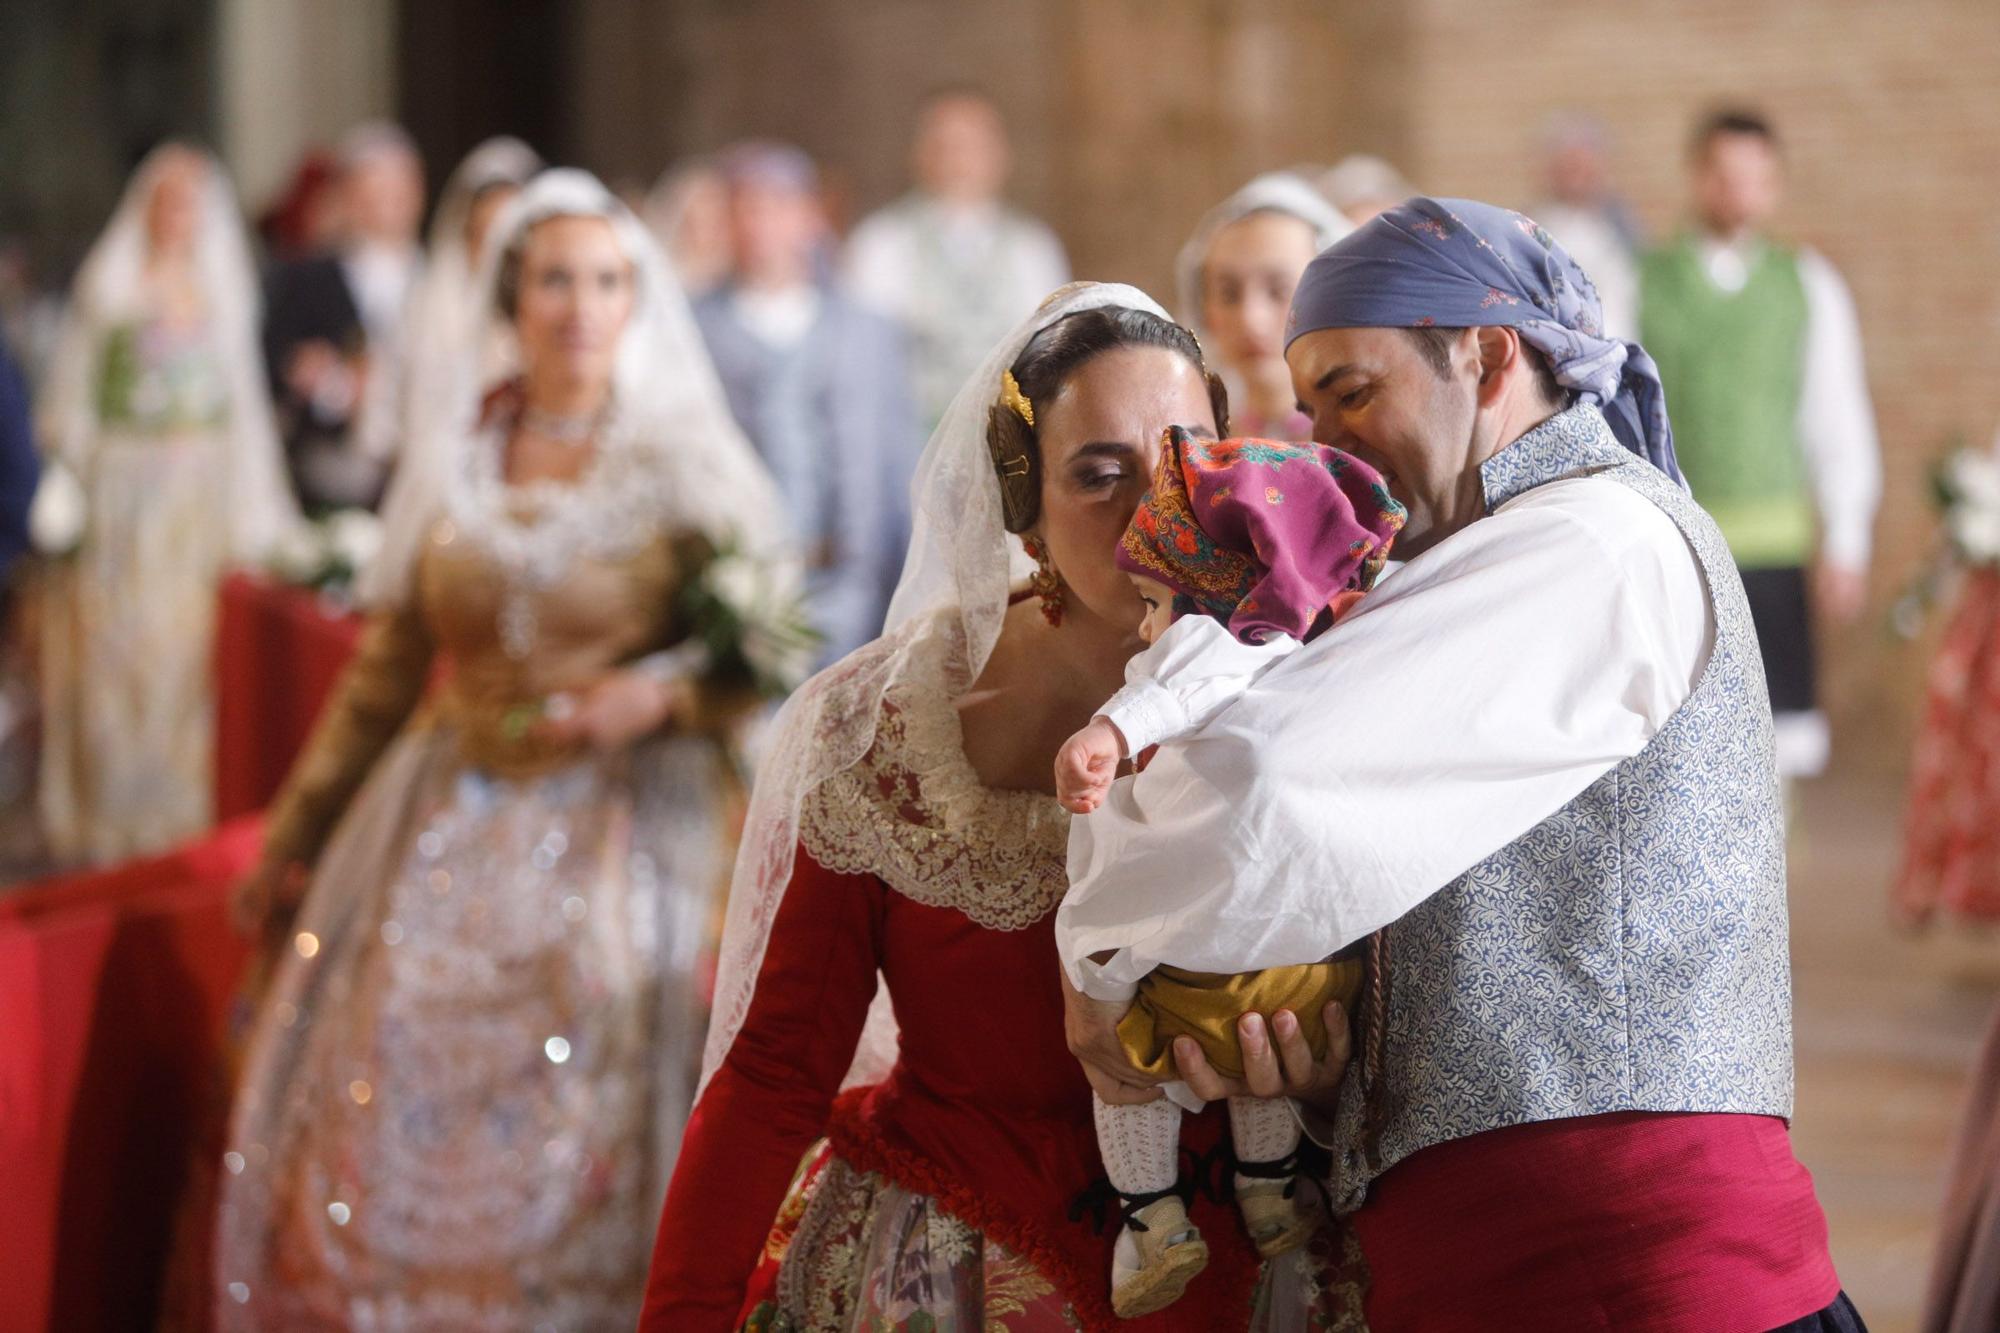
(1051, 357)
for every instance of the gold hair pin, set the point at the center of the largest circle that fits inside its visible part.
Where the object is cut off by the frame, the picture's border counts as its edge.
(1013, 399)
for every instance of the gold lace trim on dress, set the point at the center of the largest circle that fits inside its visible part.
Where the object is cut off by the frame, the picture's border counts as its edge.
(913, 812)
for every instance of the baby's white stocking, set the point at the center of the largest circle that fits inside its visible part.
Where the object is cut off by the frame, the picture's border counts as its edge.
(1141, 1145)
(1264, 1130)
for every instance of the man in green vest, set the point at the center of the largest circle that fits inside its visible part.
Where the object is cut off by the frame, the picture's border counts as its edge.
(1760, 352)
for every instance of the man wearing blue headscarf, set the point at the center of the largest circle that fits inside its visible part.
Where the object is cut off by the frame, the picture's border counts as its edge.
(1539, 756)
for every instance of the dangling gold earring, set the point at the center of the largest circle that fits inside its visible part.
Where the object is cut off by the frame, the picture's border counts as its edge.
(1045, 583)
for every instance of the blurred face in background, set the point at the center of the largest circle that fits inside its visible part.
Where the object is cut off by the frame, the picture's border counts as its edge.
(486, 206)
(774, 229)
(1247, 279)
(693, 216)
(173, 209)
(1576, 172)
(572, 301)
(961, 153)
(1738, 182)
(383, 196)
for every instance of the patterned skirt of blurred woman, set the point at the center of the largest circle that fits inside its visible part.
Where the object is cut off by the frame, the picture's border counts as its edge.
(1951, 858)
(159, 429)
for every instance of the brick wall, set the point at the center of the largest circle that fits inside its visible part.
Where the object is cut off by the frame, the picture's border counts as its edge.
(1132, 116)
(1892, 121)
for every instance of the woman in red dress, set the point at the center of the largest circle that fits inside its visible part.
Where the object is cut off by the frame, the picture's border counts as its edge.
(905, 826)
(1951, 868)
(1951, 855)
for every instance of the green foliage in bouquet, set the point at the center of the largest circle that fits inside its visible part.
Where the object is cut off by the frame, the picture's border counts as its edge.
(748, 617)
(327, 554)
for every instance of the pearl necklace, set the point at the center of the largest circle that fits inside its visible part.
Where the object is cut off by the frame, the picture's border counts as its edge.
(537, 531)
(561, 427)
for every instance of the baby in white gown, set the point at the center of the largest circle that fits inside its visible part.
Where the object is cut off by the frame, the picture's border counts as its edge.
(1249, 548)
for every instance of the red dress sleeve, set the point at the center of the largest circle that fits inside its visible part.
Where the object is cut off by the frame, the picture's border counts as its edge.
(769, 1101)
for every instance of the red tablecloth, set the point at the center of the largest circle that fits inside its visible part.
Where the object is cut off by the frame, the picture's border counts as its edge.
(113, 990)
(278, 651)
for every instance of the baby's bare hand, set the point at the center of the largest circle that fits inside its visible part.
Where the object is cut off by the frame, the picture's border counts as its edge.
(1085, 766)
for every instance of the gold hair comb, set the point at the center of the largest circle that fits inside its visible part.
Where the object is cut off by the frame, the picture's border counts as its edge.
(1013, 399)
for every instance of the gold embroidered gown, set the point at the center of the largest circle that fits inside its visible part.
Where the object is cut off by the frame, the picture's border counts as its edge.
(468, 1081)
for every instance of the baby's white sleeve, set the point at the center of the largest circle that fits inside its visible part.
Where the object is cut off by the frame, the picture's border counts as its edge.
(1195, 670)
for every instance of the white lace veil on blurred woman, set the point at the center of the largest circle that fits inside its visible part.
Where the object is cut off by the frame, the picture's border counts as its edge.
(688, 211)
(445, 310)
(470, 1075)
(155, 415)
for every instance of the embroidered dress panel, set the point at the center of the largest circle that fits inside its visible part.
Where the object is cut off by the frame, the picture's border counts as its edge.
(914, 812)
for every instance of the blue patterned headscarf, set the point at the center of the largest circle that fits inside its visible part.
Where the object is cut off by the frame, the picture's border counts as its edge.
(1458, 263)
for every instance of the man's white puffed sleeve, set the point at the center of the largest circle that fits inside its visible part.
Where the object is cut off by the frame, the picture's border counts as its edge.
(1466, 700)
(1836, 419)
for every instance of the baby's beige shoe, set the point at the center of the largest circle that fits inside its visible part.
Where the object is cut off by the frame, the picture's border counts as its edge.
(1158, 1253)
(1270, 1210)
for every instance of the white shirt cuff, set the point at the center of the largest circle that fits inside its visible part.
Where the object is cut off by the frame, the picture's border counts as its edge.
(1145, 713)
(1090, 979)
(1845, 545)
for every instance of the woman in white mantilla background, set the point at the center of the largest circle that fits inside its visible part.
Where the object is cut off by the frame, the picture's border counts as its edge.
(1235, 278)
(164, 468)
(468, 1081)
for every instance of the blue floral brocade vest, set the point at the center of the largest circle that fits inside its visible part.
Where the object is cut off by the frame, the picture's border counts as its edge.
(1629, 953)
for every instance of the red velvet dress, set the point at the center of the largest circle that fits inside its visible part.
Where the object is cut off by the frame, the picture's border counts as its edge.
(947, 1189)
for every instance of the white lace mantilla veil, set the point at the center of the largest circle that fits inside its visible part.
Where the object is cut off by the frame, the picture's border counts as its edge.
(1273, 192)
(448, 269)
(443, 310)
(960, 568)
(666, 403)
(109, 288)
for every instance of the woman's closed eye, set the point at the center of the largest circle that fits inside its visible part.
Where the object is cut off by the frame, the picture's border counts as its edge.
(1102, 466)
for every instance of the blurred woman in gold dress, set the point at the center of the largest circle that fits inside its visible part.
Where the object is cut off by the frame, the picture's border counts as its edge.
(467, 1083)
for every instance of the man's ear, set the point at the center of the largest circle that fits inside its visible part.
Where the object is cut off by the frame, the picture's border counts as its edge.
(1497, 349)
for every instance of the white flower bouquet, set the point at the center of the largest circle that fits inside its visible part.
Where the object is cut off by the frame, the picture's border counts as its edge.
(1965, 486)
(329, 553)
(750, 620)
(59, 513)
